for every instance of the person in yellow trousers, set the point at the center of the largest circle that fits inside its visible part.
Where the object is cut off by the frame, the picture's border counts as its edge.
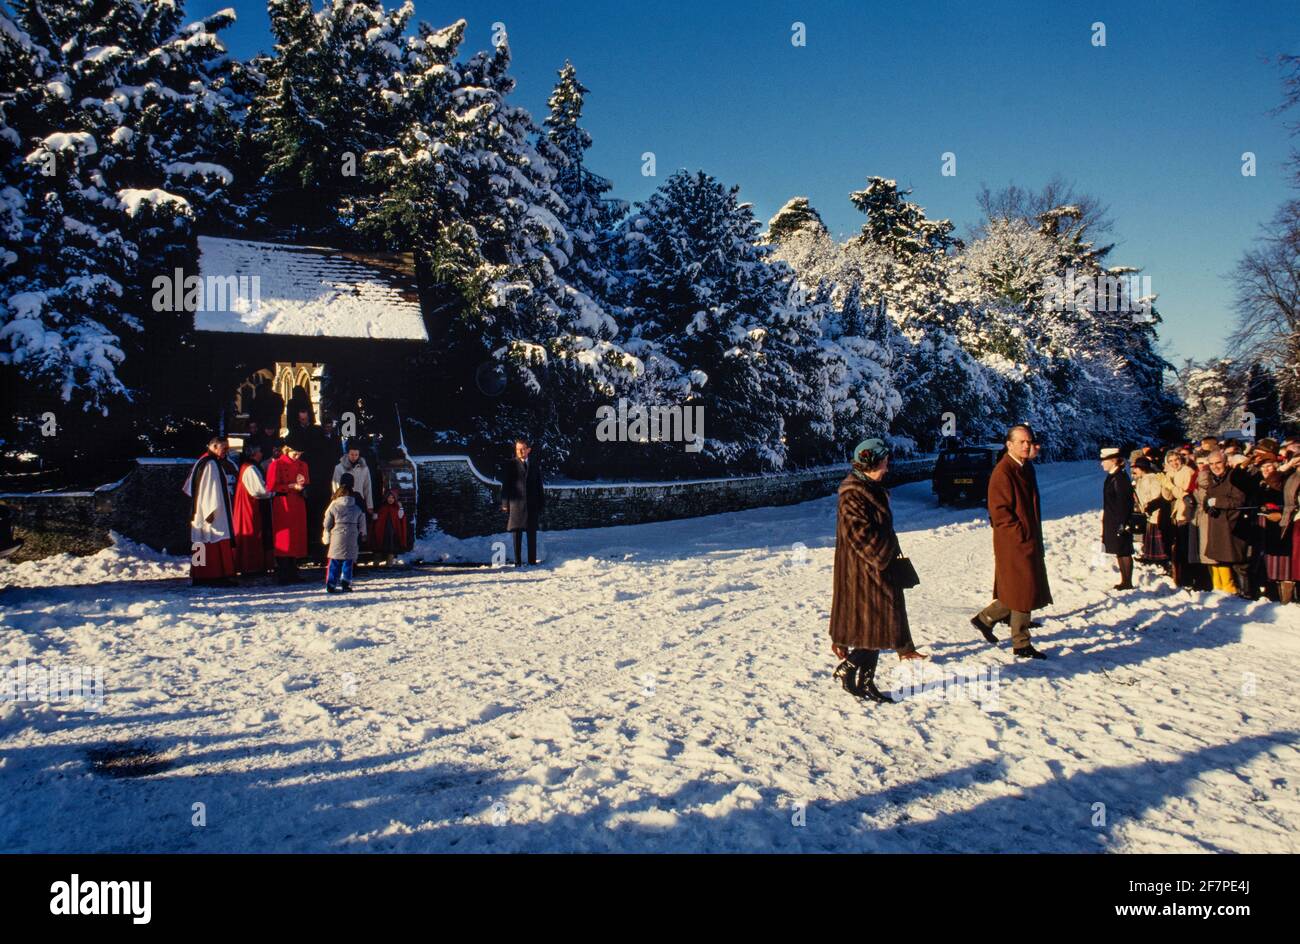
(1222, 493)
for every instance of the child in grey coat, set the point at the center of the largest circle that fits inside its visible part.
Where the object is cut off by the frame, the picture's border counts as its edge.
(345, 527)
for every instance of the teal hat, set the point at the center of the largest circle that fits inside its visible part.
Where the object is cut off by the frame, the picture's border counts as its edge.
(870, 451)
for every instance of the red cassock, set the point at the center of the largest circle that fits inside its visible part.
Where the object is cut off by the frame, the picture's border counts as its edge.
(288, 508)
(388, 519)
(250, 555)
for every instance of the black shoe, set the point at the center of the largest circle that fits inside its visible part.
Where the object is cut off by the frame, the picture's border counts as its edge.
(346, 587)
(1028, 652)
(985, 631)
(330, 588)
(1123, 586)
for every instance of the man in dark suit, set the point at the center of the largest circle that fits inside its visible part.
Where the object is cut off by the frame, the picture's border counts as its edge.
(522, 499)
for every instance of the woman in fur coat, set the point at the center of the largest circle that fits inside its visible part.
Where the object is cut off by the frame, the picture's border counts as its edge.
(867, 611)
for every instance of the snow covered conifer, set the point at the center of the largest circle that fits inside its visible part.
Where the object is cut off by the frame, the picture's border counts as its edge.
(858, 346)
(106, 139)
(704, 299)
(590, 214)
(468, 189)
(332, 92)
(1213, 394)
(915, 250)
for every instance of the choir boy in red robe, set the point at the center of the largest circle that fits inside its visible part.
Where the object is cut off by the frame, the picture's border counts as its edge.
(250, 495)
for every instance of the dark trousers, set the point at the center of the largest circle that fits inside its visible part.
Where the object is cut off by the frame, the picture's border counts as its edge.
(1243, 577)
(268, 527)
(532, 545)
(286, 570)
(317, 502)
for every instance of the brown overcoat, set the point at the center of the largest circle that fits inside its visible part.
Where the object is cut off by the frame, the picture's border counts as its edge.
(867, 612)
(1290, 501)
(1227, 531)
(1019, 566)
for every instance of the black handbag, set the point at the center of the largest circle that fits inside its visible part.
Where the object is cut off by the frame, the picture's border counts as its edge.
(1136, 524)
(901, 573)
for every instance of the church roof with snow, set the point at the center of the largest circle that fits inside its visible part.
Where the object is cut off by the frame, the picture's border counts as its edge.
(306, 291)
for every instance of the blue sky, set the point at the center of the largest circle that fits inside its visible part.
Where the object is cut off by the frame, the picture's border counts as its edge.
(1154, 123)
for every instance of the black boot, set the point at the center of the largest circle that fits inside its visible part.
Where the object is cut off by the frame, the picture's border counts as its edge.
(985, 631)
(1027, 652)
(865, 660)
(846, 673)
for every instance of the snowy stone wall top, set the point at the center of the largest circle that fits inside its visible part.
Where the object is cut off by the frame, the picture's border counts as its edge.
(463, 502)
(254, 287)
(448, 491)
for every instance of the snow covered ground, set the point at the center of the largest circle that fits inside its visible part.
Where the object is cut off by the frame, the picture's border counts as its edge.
(656, 687)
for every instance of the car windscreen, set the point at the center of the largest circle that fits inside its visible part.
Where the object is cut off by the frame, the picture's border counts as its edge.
(967, 458)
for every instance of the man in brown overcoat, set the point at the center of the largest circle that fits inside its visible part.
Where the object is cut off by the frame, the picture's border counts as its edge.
(1019, 568)
(1222, 490)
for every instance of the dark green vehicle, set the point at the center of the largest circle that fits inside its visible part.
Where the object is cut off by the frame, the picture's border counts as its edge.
(962, 472)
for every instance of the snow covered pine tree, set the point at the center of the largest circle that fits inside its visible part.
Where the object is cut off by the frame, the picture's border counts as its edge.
(108, 124)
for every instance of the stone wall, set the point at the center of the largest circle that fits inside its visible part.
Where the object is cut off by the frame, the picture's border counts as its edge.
(55, 522)
(464, 502)
(147, 505)
(137, 507)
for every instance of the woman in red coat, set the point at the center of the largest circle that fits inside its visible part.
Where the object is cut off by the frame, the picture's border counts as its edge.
(287, 478)
(389, 532)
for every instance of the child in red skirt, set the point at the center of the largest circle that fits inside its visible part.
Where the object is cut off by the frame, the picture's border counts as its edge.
(389, 533)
